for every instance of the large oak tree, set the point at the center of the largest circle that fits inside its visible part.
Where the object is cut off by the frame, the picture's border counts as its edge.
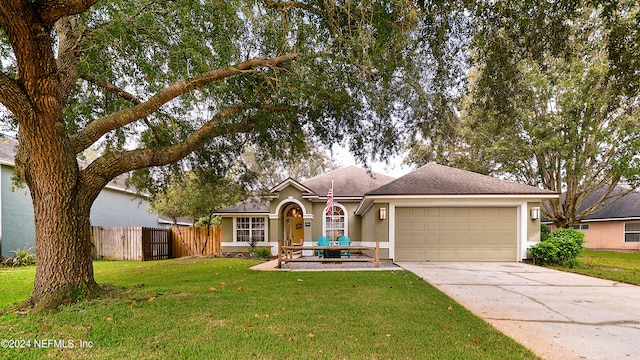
(553, 102)
(146, 83)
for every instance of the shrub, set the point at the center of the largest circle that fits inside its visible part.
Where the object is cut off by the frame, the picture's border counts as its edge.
(562, 246)
(545, 231)
(263, 253)
(253, 242)
(22, 257)
(206, 221)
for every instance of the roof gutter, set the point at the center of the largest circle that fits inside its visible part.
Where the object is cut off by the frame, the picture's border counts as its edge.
(369, 200)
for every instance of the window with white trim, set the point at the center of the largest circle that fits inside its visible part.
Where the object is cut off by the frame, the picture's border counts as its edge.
(250, 229)
(335, 223)
(632, 232)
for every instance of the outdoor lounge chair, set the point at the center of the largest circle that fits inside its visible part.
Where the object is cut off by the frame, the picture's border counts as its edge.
(345, 241)
(322, 241)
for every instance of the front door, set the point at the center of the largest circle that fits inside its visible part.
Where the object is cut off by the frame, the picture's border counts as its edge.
(293, 225)
(297, 230)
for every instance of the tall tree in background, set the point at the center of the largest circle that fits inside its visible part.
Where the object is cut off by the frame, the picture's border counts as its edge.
(196, 196)
(191, 83)
(548, 115)
(268, 171)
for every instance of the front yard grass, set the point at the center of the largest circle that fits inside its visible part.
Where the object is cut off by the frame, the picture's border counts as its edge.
(617, 266)
(220, 309)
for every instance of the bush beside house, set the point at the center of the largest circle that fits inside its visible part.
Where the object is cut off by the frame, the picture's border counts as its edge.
(561, 247)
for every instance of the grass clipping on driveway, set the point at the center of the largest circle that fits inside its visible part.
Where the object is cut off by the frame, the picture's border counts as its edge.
(220, 309)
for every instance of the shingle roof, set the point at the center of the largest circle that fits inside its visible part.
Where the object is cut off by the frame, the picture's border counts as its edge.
(350, 181)
(434, 179)
(627, 206)
(253, 205)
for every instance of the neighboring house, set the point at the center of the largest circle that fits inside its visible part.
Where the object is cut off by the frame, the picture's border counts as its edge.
(166, 222)
(435, 213)
(116, 205)
(616, 226)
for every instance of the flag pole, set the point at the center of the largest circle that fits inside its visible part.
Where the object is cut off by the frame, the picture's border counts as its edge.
(328, 209)
(333, 231)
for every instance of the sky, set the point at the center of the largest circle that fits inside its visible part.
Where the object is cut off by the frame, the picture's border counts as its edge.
(394, 168)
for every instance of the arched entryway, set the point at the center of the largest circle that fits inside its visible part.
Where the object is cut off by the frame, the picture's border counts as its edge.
(293, 224)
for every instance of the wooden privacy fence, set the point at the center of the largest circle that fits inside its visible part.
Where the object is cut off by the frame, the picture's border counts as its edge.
(116, 243)
(142, 243)
(200, 240)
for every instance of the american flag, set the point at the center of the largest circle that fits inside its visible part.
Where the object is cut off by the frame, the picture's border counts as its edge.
(329, 208)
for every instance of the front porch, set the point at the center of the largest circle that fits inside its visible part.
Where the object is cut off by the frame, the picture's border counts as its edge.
(285, 254)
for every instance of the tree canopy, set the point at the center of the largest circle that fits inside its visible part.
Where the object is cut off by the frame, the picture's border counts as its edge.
(168, 86)
(553, 110)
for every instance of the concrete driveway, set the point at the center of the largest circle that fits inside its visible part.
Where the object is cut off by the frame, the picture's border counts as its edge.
(557, 315)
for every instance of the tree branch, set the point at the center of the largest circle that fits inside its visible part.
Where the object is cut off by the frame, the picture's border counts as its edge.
(102, 170)
(111, 88)
(12, 96)
(94, 130)
(51, 11)
(67, 61)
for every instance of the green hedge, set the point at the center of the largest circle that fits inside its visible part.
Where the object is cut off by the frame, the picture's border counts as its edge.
(561, 247)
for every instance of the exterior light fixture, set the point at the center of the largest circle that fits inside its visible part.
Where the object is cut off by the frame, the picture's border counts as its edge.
(383, 213)
(534, 213)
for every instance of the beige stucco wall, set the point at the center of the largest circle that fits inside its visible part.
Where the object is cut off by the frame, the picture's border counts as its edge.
(368, 225)
(355, 222)
(372, 227)
(533, 226)
(227, 229)
(316, 223)
(275, 233)
(286, 193)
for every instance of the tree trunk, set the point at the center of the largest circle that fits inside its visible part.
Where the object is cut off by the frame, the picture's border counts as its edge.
(62, 205)
(64, 270)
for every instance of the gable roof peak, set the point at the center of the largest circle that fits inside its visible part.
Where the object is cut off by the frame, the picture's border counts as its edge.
(291, 182)
(350, 181)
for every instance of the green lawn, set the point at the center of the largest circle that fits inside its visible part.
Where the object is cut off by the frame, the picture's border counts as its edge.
(612, 265)
(220, 309)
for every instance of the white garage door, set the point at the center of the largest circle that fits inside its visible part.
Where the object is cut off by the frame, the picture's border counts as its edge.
(456, 234)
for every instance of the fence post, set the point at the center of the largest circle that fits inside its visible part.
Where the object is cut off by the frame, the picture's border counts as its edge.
(169, 244)
(279, 253)
(377, 253)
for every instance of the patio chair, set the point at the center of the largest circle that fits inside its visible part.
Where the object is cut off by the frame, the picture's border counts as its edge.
(322, 241)
(345, 241)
